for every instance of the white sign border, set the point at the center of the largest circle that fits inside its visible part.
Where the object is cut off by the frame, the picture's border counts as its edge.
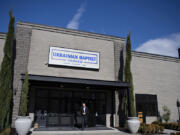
(80, 67)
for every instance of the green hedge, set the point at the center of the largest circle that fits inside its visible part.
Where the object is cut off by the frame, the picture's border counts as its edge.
(156, 122)
(150, 128)
(6, 131)
(177, 133)
(173, 126)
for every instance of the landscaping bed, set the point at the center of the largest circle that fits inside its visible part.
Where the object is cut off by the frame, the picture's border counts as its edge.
(177, 133)
(150, 128)
(171, 125)
(8, 131)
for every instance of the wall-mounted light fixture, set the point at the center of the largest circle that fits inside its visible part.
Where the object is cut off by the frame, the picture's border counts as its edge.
(87, 87)
(14, 91)
(61, 86)
(178, 105)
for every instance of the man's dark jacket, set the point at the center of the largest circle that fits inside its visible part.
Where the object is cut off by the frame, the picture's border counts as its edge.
(86, 111)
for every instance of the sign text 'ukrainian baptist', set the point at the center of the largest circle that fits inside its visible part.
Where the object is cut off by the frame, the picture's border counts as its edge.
(73, 58)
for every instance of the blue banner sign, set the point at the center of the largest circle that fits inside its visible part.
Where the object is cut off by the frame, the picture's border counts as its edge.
(73, 58)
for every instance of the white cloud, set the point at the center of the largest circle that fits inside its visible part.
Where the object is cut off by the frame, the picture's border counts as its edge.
(164, 46)
(74, 23)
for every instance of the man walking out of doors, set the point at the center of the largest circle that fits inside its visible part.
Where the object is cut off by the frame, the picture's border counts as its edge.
(84, 113)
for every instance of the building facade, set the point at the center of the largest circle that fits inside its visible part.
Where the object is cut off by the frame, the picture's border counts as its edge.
(67, 67)
(158, 77)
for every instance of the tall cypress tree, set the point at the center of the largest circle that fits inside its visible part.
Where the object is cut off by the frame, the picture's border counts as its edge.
(24, 97)
(128, 75)
(6, 77)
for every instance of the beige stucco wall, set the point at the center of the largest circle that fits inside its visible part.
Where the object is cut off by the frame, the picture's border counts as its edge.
(158, 75)
(2, 41)
(39, 51)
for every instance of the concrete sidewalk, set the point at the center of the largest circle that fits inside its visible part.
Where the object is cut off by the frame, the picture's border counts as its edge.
(92, 132)
(168, 131)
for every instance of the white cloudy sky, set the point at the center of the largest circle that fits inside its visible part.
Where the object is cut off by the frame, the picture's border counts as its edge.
(154, 24)
(74, 22)
(164, 46)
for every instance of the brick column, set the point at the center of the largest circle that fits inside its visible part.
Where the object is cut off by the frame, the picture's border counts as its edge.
(116, 115)
(119, 59)
(23, 38)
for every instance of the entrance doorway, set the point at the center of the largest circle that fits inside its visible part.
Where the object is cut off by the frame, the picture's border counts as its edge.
(61, 107)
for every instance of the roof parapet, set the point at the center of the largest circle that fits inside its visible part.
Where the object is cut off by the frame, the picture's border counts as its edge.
(70, 31)
(2, 35)
(155, 56)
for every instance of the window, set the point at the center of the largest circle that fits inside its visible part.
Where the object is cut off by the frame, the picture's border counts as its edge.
(147, 104)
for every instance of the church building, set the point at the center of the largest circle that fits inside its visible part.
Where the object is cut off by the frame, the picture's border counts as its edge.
(67, 67)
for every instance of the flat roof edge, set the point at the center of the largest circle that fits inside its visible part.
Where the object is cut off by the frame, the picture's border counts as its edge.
(155, 56)
(72, 31)
(2, 35)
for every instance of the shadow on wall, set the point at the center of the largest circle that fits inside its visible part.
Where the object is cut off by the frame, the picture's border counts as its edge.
(122, 93)
(121, 68)
(147, 104)
(122, 111)
(14, 92)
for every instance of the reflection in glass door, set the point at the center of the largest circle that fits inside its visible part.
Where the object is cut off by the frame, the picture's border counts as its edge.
(66, 102)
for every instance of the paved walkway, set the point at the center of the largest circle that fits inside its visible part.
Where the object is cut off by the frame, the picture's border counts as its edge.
(168, 131)
(92, 132)
(79, 133)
